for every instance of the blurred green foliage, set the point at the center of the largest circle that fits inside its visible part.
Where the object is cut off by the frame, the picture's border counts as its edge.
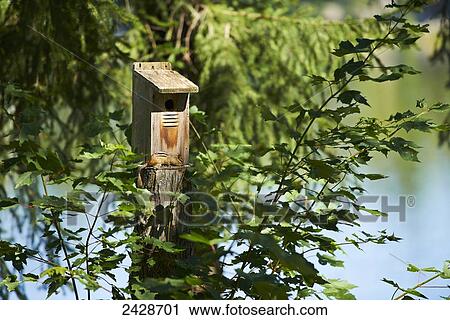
(272, 115)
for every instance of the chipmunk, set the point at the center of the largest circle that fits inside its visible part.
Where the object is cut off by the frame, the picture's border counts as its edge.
(163, 159)
(157, 160)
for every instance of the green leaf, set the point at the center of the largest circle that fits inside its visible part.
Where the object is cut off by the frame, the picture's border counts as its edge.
(96, 125)
(381, 78)
(263, 285)
(402, 69)
(163, 245)
(412, 268)
(290, 261)
(93, 154)
(267, 114)
(316, 80)
(404, 148)
(401, 115)
(391, 73)
(50, 161)
(389, 18)
(196, 237)
(417, 28)
(352, 95)
(142, 293)
(346, 47)
(341, 112)
(88, 280)
(10, 282)
(392, 283)
(30, 277)
(99, 151)
(15, 253)
(54, 283)
(440, 107)
(415, 293)
(373, 212)
(197, 115)
(121, 214)
(351, 67)
(8, 202)
(269, 290)
(446, 270)
(112, 180)
(339, 289)
(331, 260)
(417, 124)
(375, 176)
(117, 115)
(54, 271)
(15, 91)
(58, 204)
(25, 179)
(321, 170)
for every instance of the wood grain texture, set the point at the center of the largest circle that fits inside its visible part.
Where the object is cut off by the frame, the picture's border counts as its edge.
(151, 65)
(168, 81)
(170, 140)
(163, 79)
(142, 102)
(168, 220)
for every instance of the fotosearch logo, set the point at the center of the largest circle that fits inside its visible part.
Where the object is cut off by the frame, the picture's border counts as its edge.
(386, 205)
(201, 209)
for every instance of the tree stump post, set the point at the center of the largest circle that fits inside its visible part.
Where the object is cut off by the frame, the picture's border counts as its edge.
(160, 131)
(169, 219)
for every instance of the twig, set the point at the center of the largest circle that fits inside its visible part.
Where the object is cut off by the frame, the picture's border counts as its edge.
(417, 286)
(92, 226)
(63, 244)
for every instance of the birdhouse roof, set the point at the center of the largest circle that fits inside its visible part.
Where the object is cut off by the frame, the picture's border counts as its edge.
(163, 79)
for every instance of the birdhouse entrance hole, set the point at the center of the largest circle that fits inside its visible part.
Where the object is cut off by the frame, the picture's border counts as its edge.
(169, 105)
(169, 102)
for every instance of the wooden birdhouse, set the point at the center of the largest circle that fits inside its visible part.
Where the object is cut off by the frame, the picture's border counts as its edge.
(161, 111)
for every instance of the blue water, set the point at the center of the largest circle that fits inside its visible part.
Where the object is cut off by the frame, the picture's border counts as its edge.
(425, 232)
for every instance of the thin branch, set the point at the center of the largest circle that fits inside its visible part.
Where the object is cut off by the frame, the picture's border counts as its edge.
(92, 227)
(63, 244)
(417, 286)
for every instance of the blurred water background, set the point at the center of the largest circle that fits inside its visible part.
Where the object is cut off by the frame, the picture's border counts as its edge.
(426, 229)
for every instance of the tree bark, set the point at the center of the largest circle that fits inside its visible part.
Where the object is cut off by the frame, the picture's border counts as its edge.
(168, 220)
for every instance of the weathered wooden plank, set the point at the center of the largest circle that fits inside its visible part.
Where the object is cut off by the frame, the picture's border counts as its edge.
(168, 138)
(168, 81)
(142, 102)
(151, 65)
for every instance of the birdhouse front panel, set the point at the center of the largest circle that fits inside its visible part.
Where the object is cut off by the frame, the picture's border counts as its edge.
(170, 130)
(161, 111)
